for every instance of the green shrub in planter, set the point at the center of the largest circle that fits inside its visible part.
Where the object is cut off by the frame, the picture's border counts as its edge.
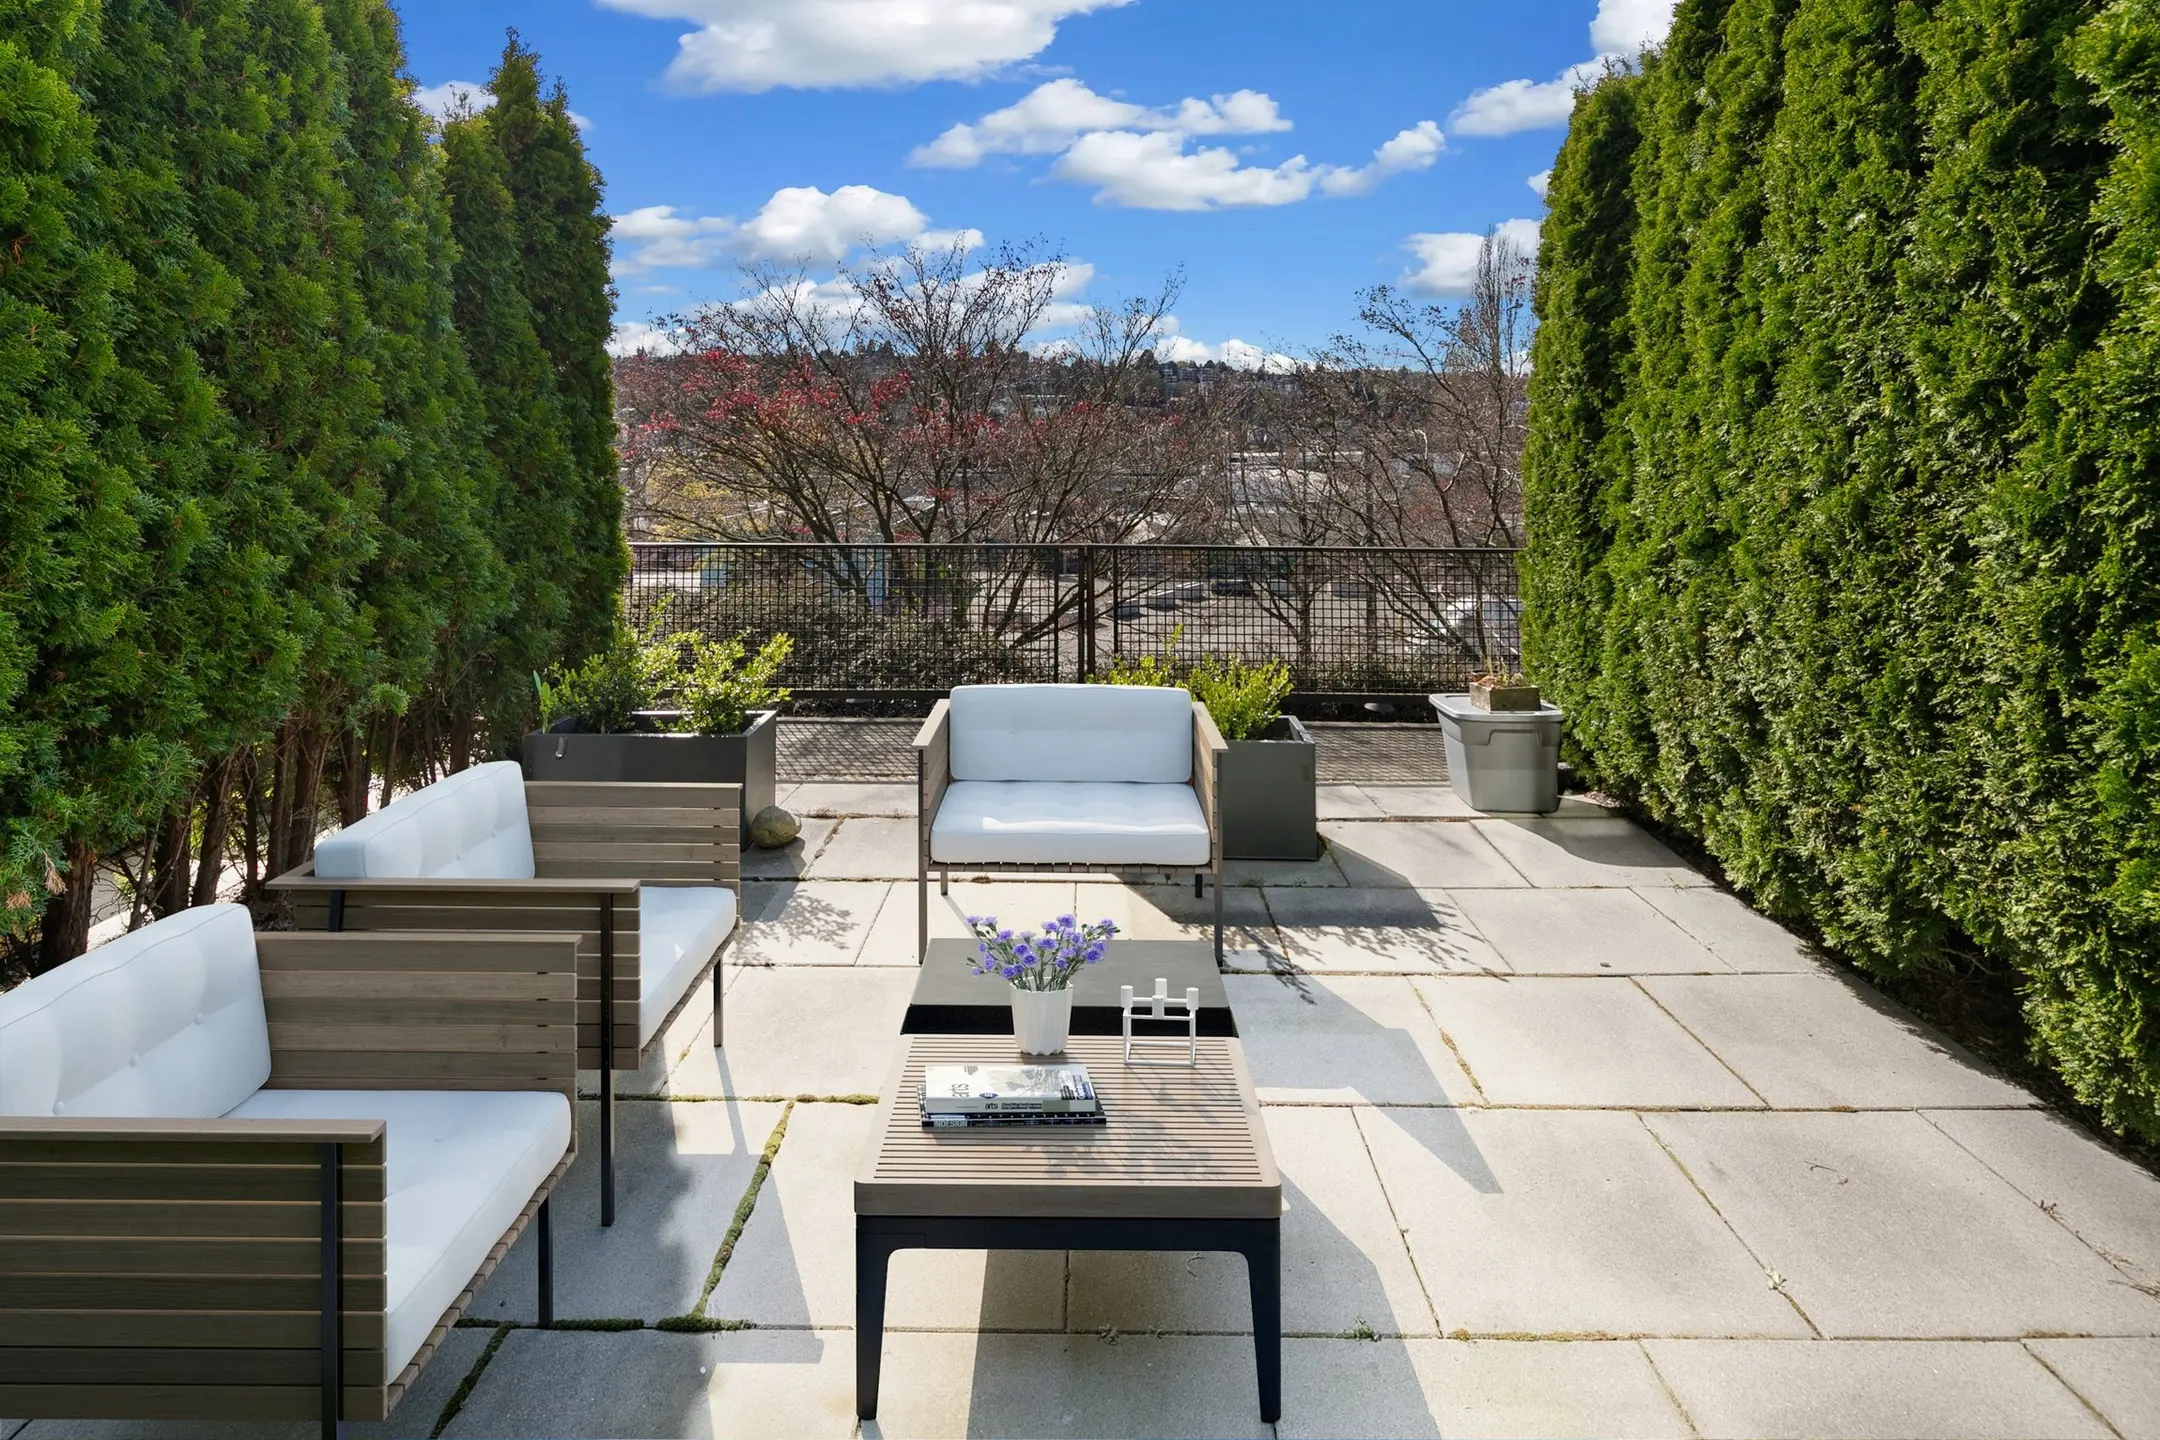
(641, 677)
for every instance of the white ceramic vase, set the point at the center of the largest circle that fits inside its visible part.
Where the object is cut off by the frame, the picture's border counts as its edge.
(1042, 1019)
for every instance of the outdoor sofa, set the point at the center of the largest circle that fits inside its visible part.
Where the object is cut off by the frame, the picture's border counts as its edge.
(1026, 778)
(645, 875)
(258, 1177)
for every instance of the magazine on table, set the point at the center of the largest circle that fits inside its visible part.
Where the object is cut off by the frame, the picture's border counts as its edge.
(1008, 1090)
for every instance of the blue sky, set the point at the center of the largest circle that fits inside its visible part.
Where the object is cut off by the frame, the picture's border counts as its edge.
(1284, 153)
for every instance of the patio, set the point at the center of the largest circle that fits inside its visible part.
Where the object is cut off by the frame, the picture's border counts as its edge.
(1572, 1143)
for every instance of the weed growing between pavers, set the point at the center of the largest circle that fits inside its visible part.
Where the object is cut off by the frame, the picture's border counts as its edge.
(696, 1319)
(457, 1399)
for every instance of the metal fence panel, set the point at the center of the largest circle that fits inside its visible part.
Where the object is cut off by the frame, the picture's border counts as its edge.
(874, 621)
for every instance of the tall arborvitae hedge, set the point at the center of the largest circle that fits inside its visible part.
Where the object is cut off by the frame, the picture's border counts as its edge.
(255, 558)
(1844, 550)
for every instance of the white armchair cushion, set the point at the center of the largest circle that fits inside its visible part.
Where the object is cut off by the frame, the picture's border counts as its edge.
(1135, 733)
(1076, 823)
(679, 928)
(460, 1167)
(165, 1022)
(471, 826)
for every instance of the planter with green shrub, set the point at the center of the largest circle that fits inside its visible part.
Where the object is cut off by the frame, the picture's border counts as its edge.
(667, 707)
(1269, 780)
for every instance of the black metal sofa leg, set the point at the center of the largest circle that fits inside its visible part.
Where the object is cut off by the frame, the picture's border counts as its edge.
(544, 1243)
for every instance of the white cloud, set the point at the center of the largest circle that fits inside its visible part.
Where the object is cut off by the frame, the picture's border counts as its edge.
(1154, 170)
(636, 337)
(1050, 117)
(799, 222)
(1620, 30)
(1624, 27)
(440, 100)
(1447, 262)
(760, 44)
(1540, 183)
(1181, 349)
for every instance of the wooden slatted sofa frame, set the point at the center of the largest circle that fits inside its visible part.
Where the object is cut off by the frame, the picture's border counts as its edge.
(596, 846)
(933, 777)
(236, 1269)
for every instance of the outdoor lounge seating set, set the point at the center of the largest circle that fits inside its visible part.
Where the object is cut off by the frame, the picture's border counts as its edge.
(259, 1176)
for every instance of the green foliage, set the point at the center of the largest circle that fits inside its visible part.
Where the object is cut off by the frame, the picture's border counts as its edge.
(710, 685)
(611, 685)
(725, 682)
(1244, 698)
(1842, 476)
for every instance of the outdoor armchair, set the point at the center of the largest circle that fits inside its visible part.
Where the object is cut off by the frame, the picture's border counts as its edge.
(646, 876)
(1022, 778)
(256, 1177)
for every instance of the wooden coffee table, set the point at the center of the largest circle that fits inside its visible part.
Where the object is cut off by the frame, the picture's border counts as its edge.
(950, 999)
(1182, 1164)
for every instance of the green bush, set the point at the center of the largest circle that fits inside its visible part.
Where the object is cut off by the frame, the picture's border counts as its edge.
(710, 685)
(725, 682)
(1244, 698)
(1842, 480)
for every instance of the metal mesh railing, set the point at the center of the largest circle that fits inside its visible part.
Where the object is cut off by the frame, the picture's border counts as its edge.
(897, 621)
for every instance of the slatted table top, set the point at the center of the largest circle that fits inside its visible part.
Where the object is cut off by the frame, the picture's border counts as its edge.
(1180, 1143)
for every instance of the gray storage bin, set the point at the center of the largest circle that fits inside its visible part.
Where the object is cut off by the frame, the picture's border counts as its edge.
(1502, 761)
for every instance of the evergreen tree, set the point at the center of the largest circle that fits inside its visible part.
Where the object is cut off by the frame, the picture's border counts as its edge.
(563, 257)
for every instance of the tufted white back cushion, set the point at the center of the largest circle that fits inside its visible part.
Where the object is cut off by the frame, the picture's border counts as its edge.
(1072, 732)
(167, 1021)
(469, 827)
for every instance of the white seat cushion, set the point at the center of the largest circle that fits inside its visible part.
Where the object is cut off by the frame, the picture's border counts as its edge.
(679, 928)
(165, 1022)
(461, 1165)
(471, 826)
(1137, 733)
(1038, 823)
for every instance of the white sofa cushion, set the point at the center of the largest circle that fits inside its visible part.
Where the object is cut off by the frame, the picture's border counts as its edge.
(165, 1022)
(470, 826)
(460, 1166)
(1137, 733)
(679, 928)
(1072, 823)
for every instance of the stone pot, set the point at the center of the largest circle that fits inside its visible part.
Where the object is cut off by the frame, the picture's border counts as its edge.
(1269, 795)
(1042, 1019)
(749, 759)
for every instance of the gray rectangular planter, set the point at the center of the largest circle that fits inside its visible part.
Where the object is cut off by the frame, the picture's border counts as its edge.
(750, 760)
(1270, 803)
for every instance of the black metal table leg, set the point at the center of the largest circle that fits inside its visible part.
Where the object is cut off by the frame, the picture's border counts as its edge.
(1263, 1274)
(873, 1256)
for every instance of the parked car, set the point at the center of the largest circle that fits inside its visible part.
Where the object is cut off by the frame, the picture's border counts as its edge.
(1473, 631)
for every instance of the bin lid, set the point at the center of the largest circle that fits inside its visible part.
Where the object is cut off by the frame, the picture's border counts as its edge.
(1458, 707)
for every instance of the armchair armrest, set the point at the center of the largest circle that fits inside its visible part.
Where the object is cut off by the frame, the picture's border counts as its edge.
(688, 834)
(602, 913)
(1208, 750)
(933, 764)
(174, 1268)
(465, 1010)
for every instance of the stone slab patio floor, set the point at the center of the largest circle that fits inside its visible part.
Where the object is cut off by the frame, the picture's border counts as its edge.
(1572, 1144)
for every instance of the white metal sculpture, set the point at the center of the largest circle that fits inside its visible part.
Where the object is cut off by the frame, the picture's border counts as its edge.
(1162, 1005)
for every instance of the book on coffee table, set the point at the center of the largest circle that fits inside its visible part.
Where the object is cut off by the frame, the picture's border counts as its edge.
(1008, 1090)
(983, 1121)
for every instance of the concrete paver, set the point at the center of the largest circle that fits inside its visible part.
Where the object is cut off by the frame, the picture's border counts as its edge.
(1172, 912)
(1882, 1226)
(780, 1383)
(1417, 802)
(1345, 802)
(1806, 1041)
(680, 1169)
(792, 859)
(2103, 1199)
(1564, 1224)
(1343, 1259)
(867, 848)
(2119, 1378)
(841, 800)
(1026, 903)
(1869, 1390)
(801, 1030)
(1343, 1040)
(1409, 932)
(1418, 854)
(1554, 1040)
(1736, 934)
(807, 922)
(795, 1262)
(1533, 1389)
(1583, 932)
(1586, 852)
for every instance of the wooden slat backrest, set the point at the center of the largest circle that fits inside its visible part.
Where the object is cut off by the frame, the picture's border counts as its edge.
(170, 1268)
(428, 1011)
(681, 834)
(556, 906)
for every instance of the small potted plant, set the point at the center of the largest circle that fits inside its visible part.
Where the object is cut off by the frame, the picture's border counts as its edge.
(670, 707)
(1269, 785)
(1503, 740)
(1040, 970)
